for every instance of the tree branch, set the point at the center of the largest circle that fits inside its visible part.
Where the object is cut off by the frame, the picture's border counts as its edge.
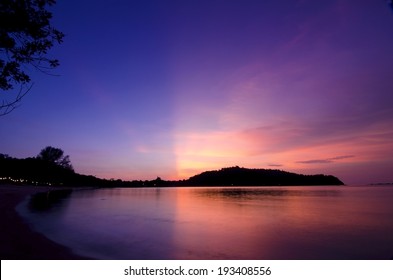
(7, 107)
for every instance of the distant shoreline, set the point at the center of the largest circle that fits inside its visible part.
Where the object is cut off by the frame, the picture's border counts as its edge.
(17, 240)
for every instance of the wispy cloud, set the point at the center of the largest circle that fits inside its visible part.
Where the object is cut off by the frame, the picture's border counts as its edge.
(327, 160)
(275, 165)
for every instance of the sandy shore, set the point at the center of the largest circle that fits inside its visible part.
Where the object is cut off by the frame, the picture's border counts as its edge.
(17, 240)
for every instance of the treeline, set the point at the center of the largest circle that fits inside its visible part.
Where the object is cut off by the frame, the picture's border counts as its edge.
(52, 167)
(36, 171)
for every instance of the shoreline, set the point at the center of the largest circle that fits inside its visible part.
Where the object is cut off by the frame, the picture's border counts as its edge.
(17, 240)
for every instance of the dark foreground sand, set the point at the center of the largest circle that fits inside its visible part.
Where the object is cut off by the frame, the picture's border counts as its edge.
(17, 240)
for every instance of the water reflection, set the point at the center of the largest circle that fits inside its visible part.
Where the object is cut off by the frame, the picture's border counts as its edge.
(264, 193)
(225, 223)
(48, 200)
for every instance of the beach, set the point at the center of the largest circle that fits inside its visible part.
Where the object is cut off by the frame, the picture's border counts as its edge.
(17, 240)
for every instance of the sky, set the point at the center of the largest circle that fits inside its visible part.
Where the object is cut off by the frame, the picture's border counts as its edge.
(173, 88)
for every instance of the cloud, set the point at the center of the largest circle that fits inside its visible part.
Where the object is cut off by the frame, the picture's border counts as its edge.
(275, 165)
(322, 161)
(341, 157)
(312, 161)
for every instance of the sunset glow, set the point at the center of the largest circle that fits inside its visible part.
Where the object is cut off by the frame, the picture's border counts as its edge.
(174, 88)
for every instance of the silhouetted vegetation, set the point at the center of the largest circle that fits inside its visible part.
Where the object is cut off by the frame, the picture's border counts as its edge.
(238, 176)
(26, 35)
(55, 156)
(45, 169)
(51, 167)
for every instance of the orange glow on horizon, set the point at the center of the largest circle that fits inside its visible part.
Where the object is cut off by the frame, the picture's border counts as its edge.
(198, 152)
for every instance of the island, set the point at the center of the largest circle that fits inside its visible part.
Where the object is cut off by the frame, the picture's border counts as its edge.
(239, 176)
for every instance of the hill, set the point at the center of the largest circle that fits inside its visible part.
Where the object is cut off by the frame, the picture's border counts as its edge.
(238, 176)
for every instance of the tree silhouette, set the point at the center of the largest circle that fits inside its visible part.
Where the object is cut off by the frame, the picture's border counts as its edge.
(56, 156)
(26, 35)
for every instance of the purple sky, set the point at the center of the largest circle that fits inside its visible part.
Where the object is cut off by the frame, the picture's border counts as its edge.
(173, 88)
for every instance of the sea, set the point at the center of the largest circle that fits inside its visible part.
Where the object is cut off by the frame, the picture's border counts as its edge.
(206, 223)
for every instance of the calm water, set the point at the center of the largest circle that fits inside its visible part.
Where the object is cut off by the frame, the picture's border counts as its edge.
(223, 223)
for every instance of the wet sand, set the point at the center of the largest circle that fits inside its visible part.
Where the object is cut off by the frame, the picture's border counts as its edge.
(17, 240)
